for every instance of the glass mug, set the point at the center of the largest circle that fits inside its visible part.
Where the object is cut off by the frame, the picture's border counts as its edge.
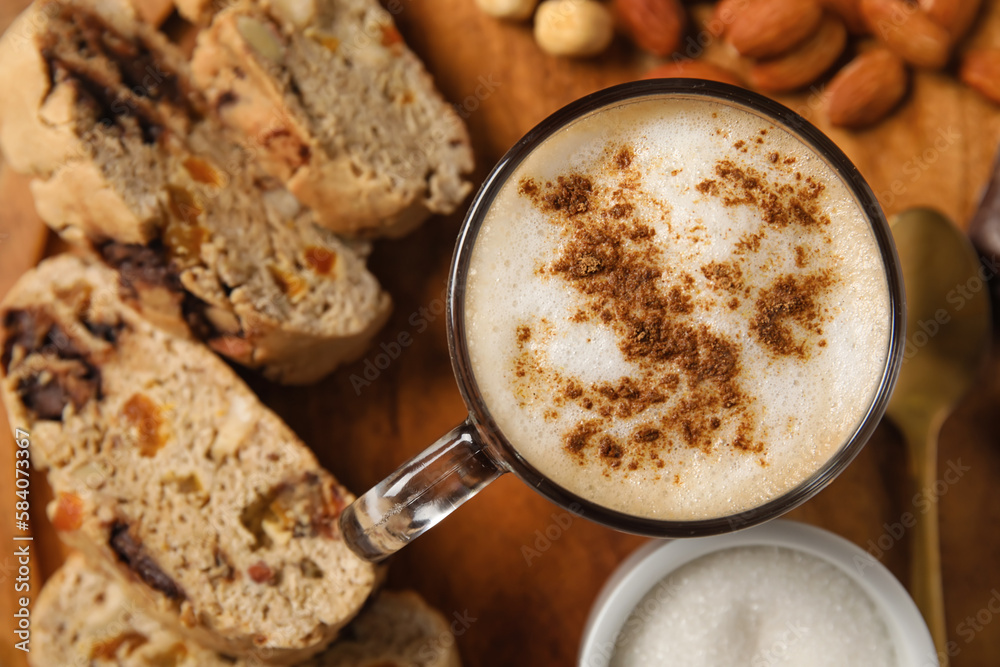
(434, 483)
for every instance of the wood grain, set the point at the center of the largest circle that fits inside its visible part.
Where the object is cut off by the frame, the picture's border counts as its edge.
(935, 151)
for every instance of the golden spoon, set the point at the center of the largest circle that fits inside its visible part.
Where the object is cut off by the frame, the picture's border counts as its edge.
(947, 337)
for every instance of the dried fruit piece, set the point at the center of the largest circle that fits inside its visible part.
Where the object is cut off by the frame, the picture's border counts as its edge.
(908, 31)
(955, 16)
(573, 27)
(769, 28)
(293, 285)
(693, 69)
(320, 260)
(656, 26)
(202, 171)
(68, 514)
(183, 205)
(981, 71)
(260, 572)
(805, 63)
(331, 43)
(867, 89)
(145, 424)
(107, 649)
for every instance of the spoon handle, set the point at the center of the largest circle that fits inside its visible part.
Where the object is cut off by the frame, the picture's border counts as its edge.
(925, 578)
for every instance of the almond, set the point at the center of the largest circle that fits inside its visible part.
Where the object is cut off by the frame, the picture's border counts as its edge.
(955, 16)
(693, 69)
(806, 63)
(867, 89)
(769, 28)
(850, 11)
(909, 31)
(655, 25)
(981, 71)
(725, 14)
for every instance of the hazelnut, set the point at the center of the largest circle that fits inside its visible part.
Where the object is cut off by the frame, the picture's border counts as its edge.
(573, 27)
(512, 10)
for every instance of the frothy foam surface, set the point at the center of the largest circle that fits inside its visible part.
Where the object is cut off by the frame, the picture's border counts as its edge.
(676, 309)
(755, 606)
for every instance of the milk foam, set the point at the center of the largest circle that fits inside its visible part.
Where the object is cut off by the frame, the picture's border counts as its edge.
(804, 409)
(757, 605)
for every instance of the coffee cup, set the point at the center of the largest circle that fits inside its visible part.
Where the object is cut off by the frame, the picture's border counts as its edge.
(674, 307)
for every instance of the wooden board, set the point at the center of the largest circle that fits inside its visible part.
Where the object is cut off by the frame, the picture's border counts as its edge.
(936, 151)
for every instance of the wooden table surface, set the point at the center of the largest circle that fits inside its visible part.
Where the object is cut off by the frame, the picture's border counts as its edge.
(937, 151)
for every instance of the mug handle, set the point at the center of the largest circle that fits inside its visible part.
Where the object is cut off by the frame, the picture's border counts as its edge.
(420, 493)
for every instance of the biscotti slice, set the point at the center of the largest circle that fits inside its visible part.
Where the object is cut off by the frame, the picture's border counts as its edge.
(170, 473)
(339, 110)
(99, 96)
(204, 239)
(83, 617)
(397, 629)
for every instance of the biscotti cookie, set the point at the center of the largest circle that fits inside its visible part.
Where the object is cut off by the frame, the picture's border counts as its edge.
(340, 110)
(397, 629)
(171, 474)
(83, 617)
(129, 164)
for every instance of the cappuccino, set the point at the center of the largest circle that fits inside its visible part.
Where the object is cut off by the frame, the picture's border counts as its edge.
(676, 309)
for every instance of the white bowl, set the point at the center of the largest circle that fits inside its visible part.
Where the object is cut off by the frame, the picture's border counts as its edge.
(645, 568)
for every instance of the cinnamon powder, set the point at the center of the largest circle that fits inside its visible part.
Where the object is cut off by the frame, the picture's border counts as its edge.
(615, 261)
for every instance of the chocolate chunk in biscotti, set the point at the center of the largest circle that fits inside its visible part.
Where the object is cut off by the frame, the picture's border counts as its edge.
(130, 551)
(170, 473)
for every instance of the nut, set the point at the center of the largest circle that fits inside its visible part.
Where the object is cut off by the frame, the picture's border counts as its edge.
(298, 14)
(693, 69)
(981, 71)
(867, 89)
(850, 11)
(804, 64)
(724, 15)
(955, 16)
(908, 31)
(573, 27)
(261, 37)
(512, 10)
(656, 26)
(769, 28)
